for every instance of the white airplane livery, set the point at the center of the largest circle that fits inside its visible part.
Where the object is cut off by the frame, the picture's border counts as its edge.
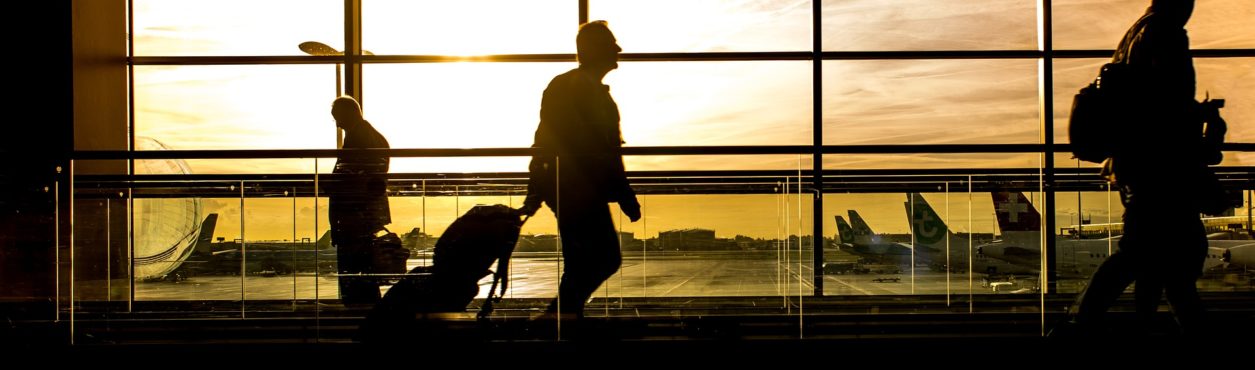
(1021, 240)
(943, 250)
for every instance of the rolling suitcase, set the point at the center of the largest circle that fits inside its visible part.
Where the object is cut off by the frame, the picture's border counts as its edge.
(463, 255)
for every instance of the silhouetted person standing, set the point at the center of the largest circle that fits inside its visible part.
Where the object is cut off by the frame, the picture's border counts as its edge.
(1159, 176)
(581, 165)
(358, 203)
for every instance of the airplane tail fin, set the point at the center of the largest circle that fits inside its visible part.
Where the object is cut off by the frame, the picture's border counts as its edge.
(860, 230)
(844, 231)
(324, 241)
(206, 235)
(1015, 212)
(197, 253)
(927, 226)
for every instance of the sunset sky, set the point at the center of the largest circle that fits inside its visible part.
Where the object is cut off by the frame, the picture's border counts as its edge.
(463, 105)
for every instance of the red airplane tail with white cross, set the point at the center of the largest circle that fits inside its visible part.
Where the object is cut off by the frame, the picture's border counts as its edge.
(1015, 212)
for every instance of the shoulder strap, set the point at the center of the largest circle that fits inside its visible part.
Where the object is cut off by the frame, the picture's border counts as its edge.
(493, 297)
(1123, 50)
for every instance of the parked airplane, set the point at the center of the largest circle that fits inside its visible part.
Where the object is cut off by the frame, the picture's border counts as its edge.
(168, 262)
(261, 257)
(1240, 256)
(860, 240)
(1077, 258)
(931, 235)
(165, 229)
(943, 250)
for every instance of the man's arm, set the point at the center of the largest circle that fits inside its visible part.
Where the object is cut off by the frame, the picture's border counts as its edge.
(1171, 64)
(622, 190)
(540, 180)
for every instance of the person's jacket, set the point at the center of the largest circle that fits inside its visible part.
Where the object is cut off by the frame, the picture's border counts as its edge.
(361, 196)
(1161, 139)
(580, 145)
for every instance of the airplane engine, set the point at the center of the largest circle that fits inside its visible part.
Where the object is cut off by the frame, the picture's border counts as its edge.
(165, 228)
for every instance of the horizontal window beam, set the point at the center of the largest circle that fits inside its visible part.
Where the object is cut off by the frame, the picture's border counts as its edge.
(664, 57)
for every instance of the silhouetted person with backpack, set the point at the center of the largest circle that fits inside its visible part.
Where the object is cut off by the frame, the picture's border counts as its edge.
(1160, 177)
(580, 169)
(358, 203)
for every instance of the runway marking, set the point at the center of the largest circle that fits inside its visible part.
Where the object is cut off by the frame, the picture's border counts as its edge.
(843, 282)
(691, 277)
(797, 275)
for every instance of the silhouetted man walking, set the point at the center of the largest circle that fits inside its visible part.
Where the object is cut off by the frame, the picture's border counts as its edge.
(358, 203)
(580, 169)
(1159, 176)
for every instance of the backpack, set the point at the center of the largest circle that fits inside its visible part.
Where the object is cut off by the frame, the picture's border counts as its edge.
(1097, 111)
(1100, 109)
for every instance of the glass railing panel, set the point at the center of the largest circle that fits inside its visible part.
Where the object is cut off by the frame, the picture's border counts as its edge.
(97, 267)
(283, 259)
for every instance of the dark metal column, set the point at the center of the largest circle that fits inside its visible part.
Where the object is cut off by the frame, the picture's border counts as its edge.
(817, 152)
(1046, 98)
(583, 11)
(130, 163)
(353, 49)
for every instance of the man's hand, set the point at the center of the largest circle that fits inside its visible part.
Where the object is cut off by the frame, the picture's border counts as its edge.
(1214, 130)
(529, 209)
(631, 208)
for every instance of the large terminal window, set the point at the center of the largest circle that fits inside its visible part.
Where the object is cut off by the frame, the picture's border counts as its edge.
(784, 151)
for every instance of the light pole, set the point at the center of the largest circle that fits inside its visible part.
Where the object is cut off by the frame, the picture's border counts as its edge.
(316, 48)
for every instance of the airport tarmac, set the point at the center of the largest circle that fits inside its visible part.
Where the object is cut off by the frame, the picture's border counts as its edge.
(639, 276)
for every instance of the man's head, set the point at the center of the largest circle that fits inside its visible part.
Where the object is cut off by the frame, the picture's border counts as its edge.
(1174, 12)
(596, 46)
(346, 111)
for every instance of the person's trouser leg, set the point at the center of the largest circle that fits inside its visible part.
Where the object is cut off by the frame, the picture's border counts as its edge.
(1109, 281)
(1147, 293)
(1171, 247)
(1186, 306)
(1182, 265)
(354, 260)
(1115, 273)
(590, 249)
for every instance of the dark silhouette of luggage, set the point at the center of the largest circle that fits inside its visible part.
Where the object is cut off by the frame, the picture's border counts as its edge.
(1098, 111)
(463, 255)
